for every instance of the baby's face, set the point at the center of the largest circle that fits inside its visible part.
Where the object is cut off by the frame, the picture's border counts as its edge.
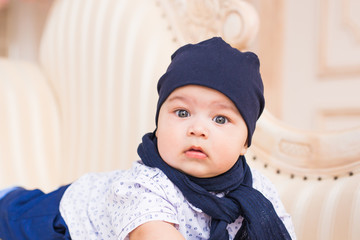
(200, 131)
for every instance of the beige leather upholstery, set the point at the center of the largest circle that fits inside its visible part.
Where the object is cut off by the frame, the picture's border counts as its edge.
(86, 104)
(103, 59)
(30, 151)
(316, 174)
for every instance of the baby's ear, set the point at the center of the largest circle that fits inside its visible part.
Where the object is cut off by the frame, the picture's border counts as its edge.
(244, 149)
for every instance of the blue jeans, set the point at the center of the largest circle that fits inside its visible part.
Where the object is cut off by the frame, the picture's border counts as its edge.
(6, 191)
(31, 214)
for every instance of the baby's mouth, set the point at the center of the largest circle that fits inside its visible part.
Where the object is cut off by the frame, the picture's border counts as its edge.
(195, 152)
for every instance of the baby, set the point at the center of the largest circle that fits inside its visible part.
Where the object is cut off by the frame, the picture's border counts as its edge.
(192, 181)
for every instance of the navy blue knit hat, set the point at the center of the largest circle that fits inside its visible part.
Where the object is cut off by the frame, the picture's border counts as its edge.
(215, 64)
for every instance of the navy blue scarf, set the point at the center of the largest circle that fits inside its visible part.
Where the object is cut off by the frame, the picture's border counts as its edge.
(260, 219)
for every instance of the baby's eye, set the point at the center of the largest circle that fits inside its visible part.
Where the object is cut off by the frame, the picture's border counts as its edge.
(220, 119)
(182, 113)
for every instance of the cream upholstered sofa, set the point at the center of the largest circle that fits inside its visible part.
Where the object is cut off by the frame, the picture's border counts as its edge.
(85, 105)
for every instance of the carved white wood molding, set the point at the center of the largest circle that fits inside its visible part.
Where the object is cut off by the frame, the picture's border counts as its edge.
(194, 20)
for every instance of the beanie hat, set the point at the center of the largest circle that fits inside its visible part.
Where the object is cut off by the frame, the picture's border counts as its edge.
(213, 63)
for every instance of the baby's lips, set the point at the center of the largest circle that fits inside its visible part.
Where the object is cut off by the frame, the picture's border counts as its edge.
(195, 152)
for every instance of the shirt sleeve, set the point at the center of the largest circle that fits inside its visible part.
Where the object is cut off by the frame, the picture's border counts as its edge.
(265, 186)
(134, 202)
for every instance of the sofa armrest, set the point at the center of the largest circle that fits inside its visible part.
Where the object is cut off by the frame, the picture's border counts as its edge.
(30, 127)
(317, 175)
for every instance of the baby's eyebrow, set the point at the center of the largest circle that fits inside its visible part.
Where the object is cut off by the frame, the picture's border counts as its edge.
(225, 106)
(178, 98)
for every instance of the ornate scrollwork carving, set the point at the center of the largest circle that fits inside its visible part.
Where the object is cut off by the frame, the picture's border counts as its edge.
(316, 155)
(195, 20)
(296, 149)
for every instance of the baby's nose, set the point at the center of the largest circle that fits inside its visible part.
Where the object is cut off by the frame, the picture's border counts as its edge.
(198, 130)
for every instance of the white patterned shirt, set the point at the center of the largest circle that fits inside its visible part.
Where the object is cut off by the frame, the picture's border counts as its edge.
(110, 205)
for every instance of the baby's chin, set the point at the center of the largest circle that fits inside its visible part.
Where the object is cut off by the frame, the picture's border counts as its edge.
(193, 168)
(200, 174)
